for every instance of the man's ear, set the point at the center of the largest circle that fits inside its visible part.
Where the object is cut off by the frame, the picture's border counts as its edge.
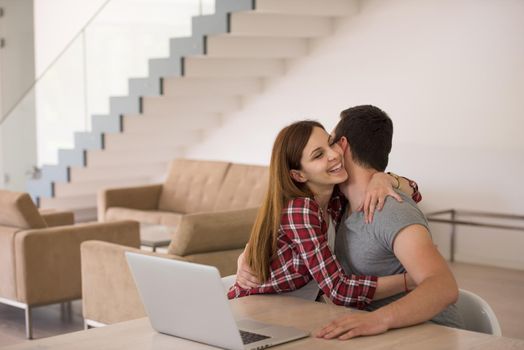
(297, 175)
(343, 143)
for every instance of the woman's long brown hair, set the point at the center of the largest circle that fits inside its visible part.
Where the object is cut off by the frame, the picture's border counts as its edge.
(286, 155)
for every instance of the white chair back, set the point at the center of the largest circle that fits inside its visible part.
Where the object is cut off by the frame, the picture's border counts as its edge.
(477, 314)
(228, 281)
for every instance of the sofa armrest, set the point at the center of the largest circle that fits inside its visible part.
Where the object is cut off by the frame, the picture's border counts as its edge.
(47, 261)
(7, 262)
(59, 218)
(225, 261)
(109, 294)
(141, 197)
(212, 231)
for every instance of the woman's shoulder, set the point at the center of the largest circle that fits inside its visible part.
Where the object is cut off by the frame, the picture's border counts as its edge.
(301, 211)
(302, 203)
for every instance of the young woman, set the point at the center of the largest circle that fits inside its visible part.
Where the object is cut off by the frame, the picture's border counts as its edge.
(292, 241)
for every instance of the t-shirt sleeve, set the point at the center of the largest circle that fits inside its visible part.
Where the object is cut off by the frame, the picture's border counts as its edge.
(394, 217)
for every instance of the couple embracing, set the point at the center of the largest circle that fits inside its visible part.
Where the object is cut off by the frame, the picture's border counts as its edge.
(334, 223)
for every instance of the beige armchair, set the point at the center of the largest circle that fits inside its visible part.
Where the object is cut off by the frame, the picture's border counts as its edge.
(206, 238)
(210, 207)
(104, 264)
(40, 258)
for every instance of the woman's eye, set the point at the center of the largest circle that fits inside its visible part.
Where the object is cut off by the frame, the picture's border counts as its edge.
(318, 155)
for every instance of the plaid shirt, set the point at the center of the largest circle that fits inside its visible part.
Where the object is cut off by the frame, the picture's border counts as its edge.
(416, 196)
(303, 255)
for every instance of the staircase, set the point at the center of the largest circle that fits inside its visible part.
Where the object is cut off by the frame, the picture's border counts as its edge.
(227, 59)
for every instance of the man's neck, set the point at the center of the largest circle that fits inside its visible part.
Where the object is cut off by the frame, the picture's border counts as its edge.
(355, 188)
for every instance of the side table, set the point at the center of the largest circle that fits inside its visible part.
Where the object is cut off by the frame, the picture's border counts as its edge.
(154, 236)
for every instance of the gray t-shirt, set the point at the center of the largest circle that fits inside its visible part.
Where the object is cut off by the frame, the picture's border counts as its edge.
(367, 249)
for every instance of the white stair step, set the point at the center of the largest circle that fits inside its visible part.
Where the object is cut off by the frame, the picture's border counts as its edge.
(169, 105)
(79, 174)
(227, 45)
(101, 158)
(213, 67)
(69, 203)
(268, 24)
(159, 123)
(334, 8)
(190, 86)
(92, 187)
(136, 141)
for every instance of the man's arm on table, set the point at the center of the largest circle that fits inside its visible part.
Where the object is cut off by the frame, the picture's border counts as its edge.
(436, 289)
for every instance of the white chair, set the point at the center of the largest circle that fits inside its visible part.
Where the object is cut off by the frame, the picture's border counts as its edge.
(477, 314)
(228, 281)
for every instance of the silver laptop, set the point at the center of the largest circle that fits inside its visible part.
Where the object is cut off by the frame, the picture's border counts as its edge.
(189, 301)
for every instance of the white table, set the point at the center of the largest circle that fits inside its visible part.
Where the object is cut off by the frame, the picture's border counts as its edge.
(306, 315)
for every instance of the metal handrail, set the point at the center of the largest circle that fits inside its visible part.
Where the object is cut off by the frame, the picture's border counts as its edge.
(64, 50)
(454, 222)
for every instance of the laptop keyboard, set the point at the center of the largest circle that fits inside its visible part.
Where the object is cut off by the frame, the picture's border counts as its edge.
(248, 337)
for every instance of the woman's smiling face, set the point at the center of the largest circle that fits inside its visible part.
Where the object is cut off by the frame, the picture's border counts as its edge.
(321, 163)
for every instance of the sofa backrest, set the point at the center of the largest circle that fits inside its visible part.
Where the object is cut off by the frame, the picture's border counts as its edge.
(244, 187)
(192, 185)
(18, 210)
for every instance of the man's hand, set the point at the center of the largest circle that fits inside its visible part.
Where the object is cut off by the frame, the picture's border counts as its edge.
(354, 325)
(245, 277)
(378, 189)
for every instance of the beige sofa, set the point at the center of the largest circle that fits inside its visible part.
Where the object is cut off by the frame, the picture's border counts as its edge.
(211, 206)
(192, 186)
(40, 256)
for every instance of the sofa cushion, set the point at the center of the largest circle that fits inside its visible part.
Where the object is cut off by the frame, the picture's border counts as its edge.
(192, 185)
(212, 232)
(18, 210)
(143, 216)
(244, 187)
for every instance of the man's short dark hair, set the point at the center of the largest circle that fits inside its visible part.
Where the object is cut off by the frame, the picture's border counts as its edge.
(369, 131)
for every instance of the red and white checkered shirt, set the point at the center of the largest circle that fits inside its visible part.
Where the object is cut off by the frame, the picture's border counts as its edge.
(303, 255)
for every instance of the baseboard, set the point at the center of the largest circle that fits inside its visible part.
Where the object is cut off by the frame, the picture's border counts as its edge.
(489, 261)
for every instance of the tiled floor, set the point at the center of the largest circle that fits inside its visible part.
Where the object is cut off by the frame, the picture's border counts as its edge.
(47, 321)
(503, 289)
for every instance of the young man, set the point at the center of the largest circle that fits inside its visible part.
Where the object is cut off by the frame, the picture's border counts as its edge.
(396, 241)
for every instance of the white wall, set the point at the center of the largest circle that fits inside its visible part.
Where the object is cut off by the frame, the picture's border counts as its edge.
(115, 46)
(56, 23)
(450, 73)
(17, 150)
